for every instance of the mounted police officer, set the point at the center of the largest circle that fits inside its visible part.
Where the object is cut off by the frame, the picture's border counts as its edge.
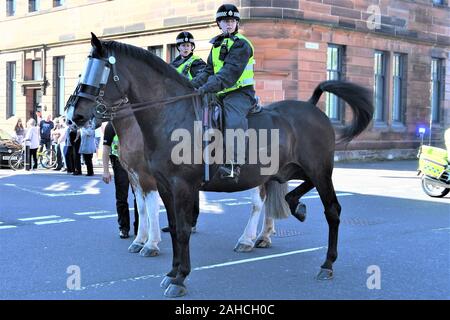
(186, 62)
(229, 73)
(189, 65)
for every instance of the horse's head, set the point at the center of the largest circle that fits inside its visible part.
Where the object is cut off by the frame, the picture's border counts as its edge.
(99, 92)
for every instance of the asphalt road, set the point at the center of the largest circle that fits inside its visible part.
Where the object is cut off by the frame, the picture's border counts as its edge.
(394, 242)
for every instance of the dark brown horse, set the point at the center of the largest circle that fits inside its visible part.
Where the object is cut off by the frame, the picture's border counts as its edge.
(305, 151)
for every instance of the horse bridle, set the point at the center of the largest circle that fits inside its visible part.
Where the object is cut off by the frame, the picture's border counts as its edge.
(92, 85)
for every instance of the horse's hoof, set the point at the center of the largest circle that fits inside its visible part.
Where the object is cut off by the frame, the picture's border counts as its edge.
(135, 247)
(175, 291)
(263, 243)
(300, 212)
(194, 229)
(148, 252)
(325, 274)
(241, 247)
(165, 283)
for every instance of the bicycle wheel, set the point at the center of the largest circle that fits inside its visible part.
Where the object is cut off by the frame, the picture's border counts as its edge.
(16, 161)
(48, 159)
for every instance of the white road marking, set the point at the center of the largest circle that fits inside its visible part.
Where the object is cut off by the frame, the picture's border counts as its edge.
(90, 212)
(58, 186)
(220, 200)
(337, 194)
(38, 218)
(104, 216)
(440, 229)
(7, 227)
(231, 263)
(53, 221)
(219, 265)
(238, 203)
(88, 190)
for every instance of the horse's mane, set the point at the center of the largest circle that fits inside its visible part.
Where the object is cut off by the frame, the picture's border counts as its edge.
(146, 56)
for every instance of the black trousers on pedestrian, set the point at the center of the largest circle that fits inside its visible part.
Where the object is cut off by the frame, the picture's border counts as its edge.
(59, 156)
(237, 104)
(122, 185)
(45, 142)
(69, 160)
(33, 157)
(76, 157)
(88, 162)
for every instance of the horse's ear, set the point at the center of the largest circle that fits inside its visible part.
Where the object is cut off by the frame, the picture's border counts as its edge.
(96, 43)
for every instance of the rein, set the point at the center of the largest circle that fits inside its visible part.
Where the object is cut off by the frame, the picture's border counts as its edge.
(115, 110)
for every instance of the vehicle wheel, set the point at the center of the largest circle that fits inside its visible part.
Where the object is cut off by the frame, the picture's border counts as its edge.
(434, 191)
(16, 161)
(48, 160)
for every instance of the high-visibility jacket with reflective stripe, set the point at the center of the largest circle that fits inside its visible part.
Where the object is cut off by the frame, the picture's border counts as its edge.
(115, 146)
(185, 68)
(247, 76)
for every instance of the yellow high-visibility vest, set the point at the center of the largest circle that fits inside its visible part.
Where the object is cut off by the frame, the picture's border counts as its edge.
(247, 76)
(185, 68)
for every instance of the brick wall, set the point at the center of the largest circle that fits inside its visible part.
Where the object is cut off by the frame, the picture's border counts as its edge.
(290, 37)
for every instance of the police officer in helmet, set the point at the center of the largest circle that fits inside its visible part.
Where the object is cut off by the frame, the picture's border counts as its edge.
(229, 73)
(186, 62)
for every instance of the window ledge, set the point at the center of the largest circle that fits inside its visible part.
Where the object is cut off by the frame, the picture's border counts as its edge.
(380, 126)
(399, 127)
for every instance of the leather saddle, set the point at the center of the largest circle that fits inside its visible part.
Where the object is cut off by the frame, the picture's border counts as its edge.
(215, 117)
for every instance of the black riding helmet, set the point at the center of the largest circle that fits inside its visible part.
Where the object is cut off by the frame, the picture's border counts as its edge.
(185, 37)
(228, 11)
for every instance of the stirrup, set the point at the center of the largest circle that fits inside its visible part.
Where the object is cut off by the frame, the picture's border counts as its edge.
(231, 175)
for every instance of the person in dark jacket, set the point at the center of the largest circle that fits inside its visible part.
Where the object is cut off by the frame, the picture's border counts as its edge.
(186, 62)
(46, 127)
(121, 182)
(229, 74)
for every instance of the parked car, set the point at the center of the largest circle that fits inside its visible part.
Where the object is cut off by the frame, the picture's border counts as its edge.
(8, 145)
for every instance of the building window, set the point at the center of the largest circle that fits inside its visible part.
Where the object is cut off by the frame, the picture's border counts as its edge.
(58, 3)
(37, 100)
(438, 2)
(33, 5)
(10, 7)
(398, 87)
(379, 85)
(10, 89)
(37, 70)
(59, 86)
(334, 72)
(436, 88)
(156, 50)
(173, 52)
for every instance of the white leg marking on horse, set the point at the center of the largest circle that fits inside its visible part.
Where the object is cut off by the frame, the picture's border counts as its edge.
(142, 235)
(250, 230)
(267, 229)
(154, 231)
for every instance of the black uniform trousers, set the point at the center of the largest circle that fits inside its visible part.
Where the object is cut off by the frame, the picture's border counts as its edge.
(236, 104)
(122, 185)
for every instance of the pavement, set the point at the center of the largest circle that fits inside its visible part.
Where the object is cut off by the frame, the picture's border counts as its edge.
(393, 242)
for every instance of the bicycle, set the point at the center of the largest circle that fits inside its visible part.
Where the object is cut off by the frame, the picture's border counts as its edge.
(46, 158)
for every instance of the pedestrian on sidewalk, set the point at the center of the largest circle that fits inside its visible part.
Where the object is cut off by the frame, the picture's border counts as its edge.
(87, 146)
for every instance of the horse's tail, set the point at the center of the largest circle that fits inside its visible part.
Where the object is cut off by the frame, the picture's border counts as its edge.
(275, 205)
(357, 97)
